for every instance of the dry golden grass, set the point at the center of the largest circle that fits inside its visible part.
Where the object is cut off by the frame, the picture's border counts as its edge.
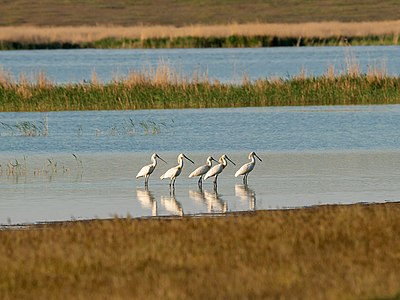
(80, 34)
(326, 252)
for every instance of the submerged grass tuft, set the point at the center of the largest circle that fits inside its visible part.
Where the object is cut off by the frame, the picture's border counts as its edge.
(16, 168)
(26, 128)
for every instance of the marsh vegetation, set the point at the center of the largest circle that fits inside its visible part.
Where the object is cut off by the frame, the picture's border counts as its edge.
(166, 87)
(325, 252)
(25, 167)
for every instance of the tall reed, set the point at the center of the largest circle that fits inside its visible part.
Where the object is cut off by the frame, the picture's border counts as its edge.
(166, 87)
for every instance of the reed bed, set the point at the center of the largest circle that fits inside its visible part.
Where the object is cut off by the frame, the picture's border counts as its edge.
(325, 252)
(164, 88)
(229, 35)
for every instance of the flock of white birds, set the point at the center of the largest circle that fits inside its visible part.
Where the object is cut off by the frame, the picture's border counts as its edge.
(203, 172)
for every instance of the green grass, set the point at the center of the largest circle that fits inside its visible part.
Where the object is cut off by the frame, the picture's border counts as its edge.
(184, 12)
(325, 252)
(324, 90)
(233, 41)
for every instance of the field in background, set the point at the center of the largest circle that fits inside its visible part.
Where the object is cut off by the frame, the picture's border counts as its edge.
(196, 24)
(185, 12)
(325, 252)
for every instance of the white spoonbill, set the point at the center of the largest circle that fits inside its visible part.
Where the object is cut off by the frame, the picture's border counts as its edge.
(148, 169)
(247, 168)
(217, 169)
(200, 171)
(175, 171)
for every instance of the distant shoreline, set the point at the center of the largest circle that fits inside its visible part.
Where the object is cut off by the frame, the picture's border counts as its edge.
(200, 36)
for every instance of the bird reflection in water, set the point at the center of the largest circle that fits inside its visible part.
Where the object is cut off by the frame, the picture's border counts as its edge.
(171, 204)
(197, 195)
(147, 200)
(246, 194)
(213, 200)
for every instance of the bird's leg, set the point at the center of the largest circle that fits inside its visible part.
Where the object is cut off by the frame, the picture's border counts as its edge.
(146, 180)
(244, 179)
(215, 182)
(199, 183)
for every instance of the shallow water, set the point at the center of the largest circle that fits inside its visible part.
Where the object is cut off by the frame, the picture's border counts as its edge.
(105, 185)
(311, 156)
(225, 65)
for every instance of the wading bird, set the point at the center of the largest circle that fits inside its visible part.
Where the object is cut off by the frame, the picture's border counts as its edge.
(175, 171)
(247, 168)
(200, 171)
(217, 169)
(148, 169)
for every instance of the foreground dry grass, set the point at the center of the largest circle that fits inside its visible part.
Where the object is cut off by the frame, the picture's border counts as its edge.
(81, 34)
(330, 252)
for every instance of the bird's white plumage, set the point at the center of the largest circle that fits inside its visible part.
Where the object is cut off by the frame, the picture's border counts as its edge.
(172, 173)
(247, 167)
(200, 171)
(214, 171)
(175, 171)
(217, 169)
(148, 169)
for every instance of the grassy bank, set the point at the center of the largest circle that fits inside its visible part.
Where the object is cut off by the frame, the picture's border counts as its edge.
(164, 89)
(327, 252)
(233, 41)
(201, 36)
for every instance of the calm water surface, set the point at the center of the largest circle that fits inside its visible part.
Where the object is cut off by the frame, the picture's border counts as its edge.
(226, 65)
(311, 156)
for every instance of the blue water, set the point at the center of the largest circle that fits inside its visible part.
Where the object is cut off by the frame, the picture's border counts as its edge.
(311, 156)
(225, 65)
(276, 129)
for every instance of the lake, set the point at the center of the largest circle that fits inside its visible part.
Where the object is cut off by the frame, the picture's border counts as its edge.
(225, 65)
(84, 164)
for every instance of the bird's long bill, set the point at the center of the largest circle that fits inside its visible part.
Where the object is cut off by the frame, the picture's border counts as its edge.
(164, 160)
(189, 159)
(212, 158)
(230, 160)
(258, 157)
